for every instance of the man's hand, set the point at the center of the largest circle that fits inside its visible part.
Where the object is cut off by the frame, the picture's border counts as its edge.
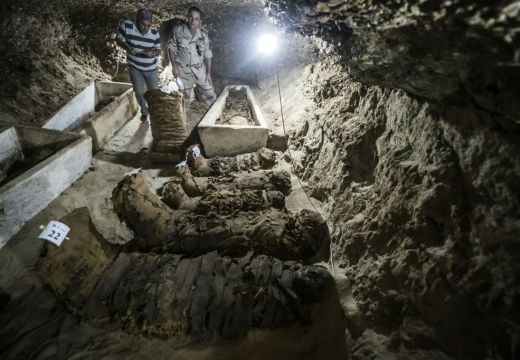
(126, 46)
(150, 53)
(207, 61)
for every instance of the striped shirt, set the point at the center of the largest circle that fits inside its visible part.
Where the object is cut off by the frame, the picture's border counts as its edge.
(129, 33)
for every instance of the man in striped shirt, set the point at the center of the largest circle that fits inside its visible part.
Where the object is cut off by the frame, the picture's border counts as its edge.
(142, 44)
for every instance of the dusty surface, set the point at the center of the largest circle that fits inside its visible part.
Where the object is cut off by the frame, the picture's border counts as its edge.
(42, 71)
(30, 157)
(236, 109)
(407, 143)
(48, 320)
(74, 269)
(411, 206)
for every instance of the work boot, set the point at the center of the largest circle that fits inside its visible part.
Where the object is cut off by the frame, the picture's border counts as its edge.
(144, 118)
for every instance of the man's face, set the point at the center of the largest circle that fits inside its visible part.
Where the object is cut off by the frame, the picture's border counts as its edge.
(194, 20)
(144, 26)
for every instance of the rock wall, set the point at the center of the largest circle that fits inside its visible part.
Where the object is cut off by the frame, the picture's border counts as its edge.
(44, 64)
(461, 51)
(412, 146)
(51, 50)
(425, 205)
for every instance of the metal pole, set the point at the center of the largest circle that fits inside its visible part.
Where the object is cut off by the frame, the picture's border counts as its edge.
(331, 259)
(280, 99)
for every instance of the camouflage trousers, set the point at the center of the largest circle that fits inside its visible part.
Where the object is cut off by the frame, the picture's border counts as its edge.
(197, 77)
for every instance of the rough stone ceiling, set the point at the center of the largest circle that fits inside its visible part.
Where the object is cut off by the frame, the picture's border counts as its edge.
(429, 187)
(459, 51)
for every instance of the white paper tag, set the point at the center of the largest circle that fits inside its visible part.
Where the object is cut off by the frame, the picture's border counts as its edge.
(132, 172)
(181, 164)
(55, 232)
(196, 151)
(167, 89)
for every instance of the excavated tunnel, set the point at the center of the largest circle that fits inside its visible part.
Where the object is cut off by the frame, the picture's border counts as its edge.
(352, 194)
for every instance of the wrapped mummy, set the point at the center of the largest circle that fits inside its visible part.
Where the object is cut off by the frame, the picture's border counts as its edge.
(303, 235)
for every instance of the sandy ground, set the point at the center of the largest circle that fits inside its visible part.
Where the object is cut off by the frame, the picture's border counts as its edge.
(128, 150)
(38, 307)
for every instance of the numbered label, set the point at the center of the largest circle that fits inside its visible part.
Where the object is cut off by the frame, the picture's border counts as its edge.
(167, 88)
(196, 151)
(132, 172)
(55, 232)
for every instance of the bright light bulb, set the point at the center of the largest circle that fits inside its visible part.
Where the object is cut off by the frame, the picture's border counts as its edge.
(267, 44)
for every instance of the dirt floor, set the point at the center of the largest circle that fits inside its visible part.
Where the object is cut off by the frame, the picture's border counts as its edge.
(44, 314)
(409, 151)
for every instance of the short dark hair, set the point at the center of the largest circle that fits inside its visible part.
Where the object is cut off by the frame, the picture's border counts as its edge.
(143, 14)
(197, 9)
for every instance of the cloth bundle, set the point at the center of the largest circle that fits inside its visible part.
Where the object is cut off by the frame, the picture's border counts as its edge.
(168, 120)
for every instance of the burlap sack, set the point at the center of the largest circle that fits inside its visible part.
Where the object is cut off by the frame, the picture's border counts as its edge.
(168, 120)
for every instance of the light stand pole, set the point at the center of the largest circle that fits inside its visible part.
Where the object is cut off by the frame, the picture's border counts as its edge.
(280, 100)
(266, 45)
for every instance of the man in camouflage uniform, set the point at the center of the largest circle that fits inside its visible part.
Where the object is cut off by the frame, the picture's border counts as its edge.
(190, 56)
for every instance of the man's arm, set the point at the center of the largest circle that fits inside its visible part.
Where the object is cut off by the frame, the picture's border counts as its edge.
(123, 44)
(152, 53)
(156, 51)
(208, 70)
(172, 47)
(175, 69)
(120, 38)
(208, 54)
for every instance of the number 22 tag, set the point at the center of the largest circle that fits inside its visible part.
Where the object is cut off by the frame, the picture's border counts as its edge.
(55, 232)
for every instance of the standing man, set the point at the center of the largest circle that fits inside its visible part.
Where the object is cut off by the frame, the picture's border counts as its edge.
(190, 56)
(142, 44)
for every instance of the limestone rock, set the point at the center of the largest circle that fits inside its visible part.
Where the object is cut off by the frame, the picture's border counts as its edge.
(425, 212)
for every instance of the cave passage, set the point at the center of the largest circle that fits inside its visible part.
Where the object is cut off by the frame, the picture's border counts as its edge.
(380, 221)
